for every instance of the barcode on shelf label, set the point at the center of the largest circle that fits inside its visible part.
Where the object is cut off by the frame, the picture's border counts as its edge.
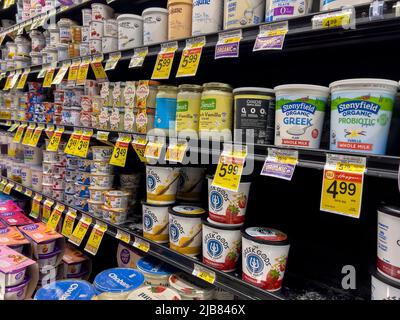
(141, 244)
(271, 36)
(123, 236)
(18, 188)
(112, 61)
(8, 188)
(204, 273)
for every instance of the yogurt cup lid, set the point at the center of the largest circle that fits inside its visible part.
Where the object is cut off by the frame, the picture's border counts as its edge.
(298, 86)
(129, 16)
(365, 82)
(19, 286)
(265, 235)
(391, 210)
(187, 211)
(154, 266)
(154, 293)
(117, 193)
(188, 285)
(223, 226)
(254, 89)
(118, 280)
(66, 290)
(154, 9)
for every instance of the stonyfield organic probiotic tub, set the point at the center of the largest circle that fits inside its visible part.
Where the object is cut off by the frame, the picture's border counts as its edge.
(221, 245)
(66, 290)
(299, 114)
(155, 222)
(264, 256)
(383, 288)
(361, 111)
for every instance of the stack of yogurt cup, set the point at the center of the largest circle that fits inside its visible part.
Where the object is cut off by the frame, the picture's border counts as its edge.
(82, 183)
(71, 173)
(32, 160)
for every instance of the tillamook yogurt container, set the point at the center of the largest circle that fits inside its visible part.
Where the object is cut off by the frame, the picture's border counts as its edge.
(221, 245)
(162, 183)
(361, 111)
(239, 13)
(383, 288)
(155, 222)
(264, 256)
(185, 229)
(299, 115)
(207, 16)
(155, 25)
(66, 290)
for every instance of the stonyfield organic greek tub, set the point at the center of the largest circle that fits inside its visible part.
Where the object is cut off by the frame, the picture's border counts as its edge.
(361, 111)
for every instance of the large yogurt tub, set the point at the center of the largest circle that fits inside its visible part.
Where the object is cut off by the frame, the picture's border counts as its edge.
(264, 256)
(17, 292)
(162, 183)
(155, 25)
(155, 222)
(221, 245)
(117, 283)
(361, 111)
(190, 184)
(130, 31)
(154, 293)
(156, 272)
(299, 116)
(66, 290)
(383, 288)
(191, 288)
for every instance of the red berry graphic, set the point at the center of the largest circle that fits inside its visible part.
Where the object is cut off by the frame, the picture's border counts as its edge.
(232, 211)
(230, 260)
(242, 202)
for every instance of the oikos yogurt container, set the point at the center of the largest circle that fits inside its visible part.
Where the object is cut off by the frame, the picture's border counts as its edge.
(185, 229)
(155, 25)
(66, 290)
(190, 183)
(207, 16)
(225, 206)
(239, 13)
(190, 288)
(156, 272)
(154, 293)
(388, 262)
(284, 9)
(17, 292)
(221, 245)
(299, 115)
(117, 283)
(162, 184)
(361, 112)
(264, 256)
(383, 288)
(155, 222)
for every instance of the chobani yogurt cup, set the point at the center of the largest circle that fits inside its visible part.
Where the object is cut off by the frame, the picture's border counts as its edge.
(221, 245)
(156, 272)
(361, 111)
(264, 256)
(116, 199)
(190, 288)
(388, 260)
(154, 293)
(102, 153)
(17, 292)
(225, 206)
(299, 116)
(66, 290)
(162, 184)
(190, 183)
(383, 288)
(117, 283)
(185, 229)
(155, 222)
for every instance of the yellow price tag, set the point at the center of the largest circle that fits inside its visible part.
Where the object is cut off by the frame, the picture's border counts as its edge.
(94, 241)
(138, 57)
(8, 188)
(48, 79)
(36, 135)
(80, 230)
(68, 224)
(22, 80)
(13, 127)
(8, 81)
(165, 59)
(18, 188)
(55, 140)
(350, 167)
(120, 151)
(14, 79)
(176, 152)
(28, 193)
(153, 149)
(139, 145)
(141, 244)
(19, 133)
(82, 72)
(47, 205)
(191, 57)
(55, 216)
(42, 72)
(73, 71)
(83, 144)
(98, 70)
(123, 236)
(49, 130)
(61, 73)
(73, 142)
(336, 21)
(3, 184)
(204, 274)
(112, 61)
(28, 134)
(35, 210)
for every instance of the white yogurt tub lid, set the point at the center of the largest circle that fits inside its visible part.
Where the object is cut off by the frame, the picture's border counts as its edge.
(118, 280)
(66, 290)
(189, 286)
(188, 211)
(116, 193)
(223, 226)
(154, 266)
(154, 10)
(265, 235)
(129, 16)
(391, 210)
(253, 89)
(98, 188)
(296, 87)
(364, 83)
(154, 293)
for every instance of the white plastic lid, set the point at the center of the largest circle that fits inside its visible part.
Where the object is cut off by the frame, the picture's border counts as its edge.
(298, 87)
(129, 16)
(257, 89)
(155, 10)
(154, 293)
(365, 83)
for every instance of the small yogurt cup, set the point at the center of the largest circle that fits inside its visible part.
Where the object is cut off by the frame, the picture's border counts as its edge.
(100, 167)
(69, 199)
(82, 190)
(83, 178)
(73, 268)
(49, 259)
(84, 165)
(69, 187)
(115, 216)
(116, 199)
(102, 153)
(101, 181)
(58, 195)
(97, 194)
(154, 293)
(71, 175)
(46, 247)
(66, 290)
(156, 272)
(14, 277)
(162, 183)
(17, 292)
(95, 208)
(47, 189)
(190, 288)
(49, 156)
(81, 203)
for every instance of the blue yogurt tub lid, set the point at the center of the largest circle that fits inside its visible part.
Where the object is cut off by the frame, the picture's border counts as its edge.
(118, 280)
(154, 266)
(66, 290)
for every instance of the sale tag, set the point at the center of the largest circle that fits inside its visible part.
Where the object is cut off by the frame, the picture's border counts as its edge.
(98, 70)
(22, 80)
(7, 189)
(80, 230)
(228, 44)
(18, 188)
(36, 135)
(55, 216)
(48, 79)
(342, 185)
(28, 134)
(3, 184)
(83, 143)
(176, 151)
(73, 142)
(19, 133)
(43, 71)
(35, 210)
(13, 127)
(153, 149)
(47, 205)
(8, 81)
(230, 167)
(28, 193)
(15, 78)
(82, 71)
(139, 145)
(344, 18)
(61, 72)
(138, 57)
(123, 236)
(94, 241)
(68, 224)
(49, 130)
(141, 244)
(280, 163)
(203, 273)
(112, 61)
(55, 140)
(118, 157)
(165, 59)
(191, 57)
(271, 36)
(73, 72)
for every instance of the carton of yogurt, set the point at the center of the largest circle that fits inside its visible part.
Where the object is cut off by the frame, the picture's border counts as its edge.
(11, 237)
(75, 263)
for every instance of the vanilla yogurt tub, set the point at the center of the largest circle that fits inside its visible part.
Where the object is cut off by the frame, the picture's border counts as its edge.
(155, 222)
(154, 293)
(221, 245)
(117, 283)
(284, 9)
(361, 112)
(66, 290)
(264, 256)
(191, 288)
(239, 13)
(156, 272)
(162, 184)
(190, 184)
(185, 228)
(17, 292)
(299, 114)
(383, 288)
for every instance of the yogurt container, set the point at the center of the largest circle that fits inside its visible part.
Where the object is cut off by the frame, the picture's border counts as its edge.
(361, 111)
(130, 180)
(383, 288)
(17, 292)
(95, 46)
(82, 190)
(95, 208)
(69, 199)
(58, 195)
(155, 25)
(46, 247)
(109, 44)
(154, 293)
(185, 229)
(100, 167)
(155, 222)
(66, 290)
(239, 14)
(162, 184)
(86, 17)
(225, 206)
(284, 9)
(179, 19)
(101, 181)
(299, 117)
(115, 216)
(26, 176)
(15, 277)
(190, 288)
(81, 203)
(130, 31)
(156, 272)
(101, 12)
(32, 155)
(97, 194)
(388, 260)
(221, 245)
(117, 283)
(49, 259)
(96, 30)
(207, 16)
(110, 28)
(190, 184)
(116, 199)
(102, 153)
(47, 188)
(49, 156)
(37, 176)
(264, 256)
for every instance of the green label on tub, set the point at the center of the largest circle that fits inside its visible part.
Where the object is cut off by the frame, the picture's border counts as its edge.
(300, 105)
(208, 104)
(182, 106)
